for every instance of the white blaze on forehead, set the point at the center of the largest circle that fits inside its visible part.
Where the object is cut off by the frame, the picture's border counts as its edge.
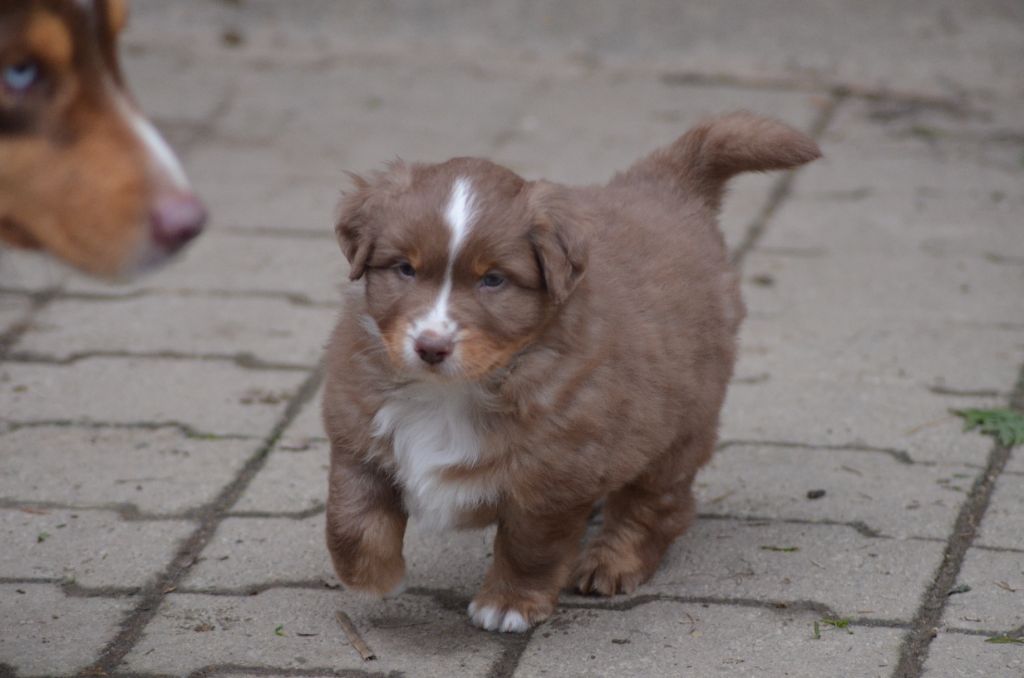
(458, 216)
(162, 160)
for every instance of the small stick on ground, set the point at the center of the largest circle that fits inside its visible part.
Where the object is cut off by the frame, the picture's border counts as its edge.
(353, 636)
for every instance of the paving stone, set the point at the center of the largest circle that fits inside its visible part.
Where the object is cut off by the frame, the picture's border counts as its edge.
(178, 85)
(158, 471)
(1015, 464)
(795, 324)
(889, 496)
(29, 270)
(835, 566)
(996, 599)
(294, 479)
(667, 638)
(46, 633)
(233, 264)
(307, 424)
(269, 330)
(286, 151)
(1000, 526)
(236, 557)
(410, 634)
(210, 396)
(627, 117)
(93, 548)
(884, 191)
(958, 655)
(13, 308)
(879, 279)
(920, 46)
(816, 410)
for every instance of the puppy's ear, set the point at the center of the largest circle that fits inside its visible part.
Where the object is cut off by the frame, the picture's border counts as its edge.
(354, 227)
(560, 226)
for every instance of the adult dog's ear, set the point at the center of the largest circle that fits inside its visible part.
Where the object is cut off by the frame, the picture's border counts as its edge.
(559, 232)
(354, 227)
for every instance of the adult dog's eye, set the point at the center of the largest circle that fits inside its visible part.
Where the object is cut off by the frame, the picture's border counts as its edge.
(492, 280)
(19, 77)
(406, 270)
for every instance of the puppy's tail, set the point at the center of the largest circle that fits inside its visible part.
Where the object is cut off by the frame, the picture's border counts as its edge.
(706, 157)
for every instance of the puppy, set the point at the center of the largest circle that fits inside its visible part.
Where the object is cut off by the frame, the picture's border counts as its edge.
(83, 175)
(522, 350)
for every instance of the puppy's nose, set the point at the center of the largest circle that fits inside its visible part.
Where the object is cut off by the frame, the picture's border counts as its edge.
(176, 219)
(433, 348)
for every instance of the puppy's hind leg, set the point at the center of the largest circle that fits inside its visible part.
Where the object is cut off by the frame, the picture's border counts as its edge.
(641, 520)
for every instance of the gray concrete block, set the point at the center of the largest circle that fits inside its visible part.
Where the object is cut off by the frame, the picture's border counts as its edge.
(835, 566)
(29, 270)
(158, 471)
(996, 599)
(237, 555)
(294, 479)
(46, 633)
(269, 330)
(668, 638)
(213, 397)
(1015, 464)
(13, 308)
(816, 410)
(958, 655)
(917, 46)
(797, 328)
(178, 86)
(307, 424)
(93, 549)
(1000, 527)
(412, 634)
(626, 118)
(226, 265)
(876, 489)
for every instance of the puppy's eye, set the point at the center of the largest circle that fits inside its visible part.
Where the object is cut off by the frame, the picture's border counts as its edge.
(405, 270)
(492, 280)
(20, 76)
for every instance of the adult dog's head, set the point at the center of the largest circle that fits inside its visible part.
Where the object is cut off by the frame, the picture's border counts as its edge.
(465, 262)
(83, 175)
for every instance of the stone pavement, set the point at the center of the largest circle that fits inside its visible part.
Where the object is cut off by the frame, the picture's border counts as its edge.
(163, 466)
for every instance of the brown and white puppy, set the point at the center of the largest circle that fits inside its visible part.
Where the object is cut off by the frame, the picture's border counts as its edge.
(83, 175)
(522, 350)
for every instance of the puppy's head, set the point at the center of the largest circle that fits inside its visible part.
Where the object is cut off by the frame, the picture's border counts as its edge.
(465, 262)
(83, 174)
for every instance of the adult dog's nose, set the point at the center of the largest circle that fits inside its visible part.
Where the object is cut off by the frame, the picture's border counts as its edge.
(433, 348)
(177, 219)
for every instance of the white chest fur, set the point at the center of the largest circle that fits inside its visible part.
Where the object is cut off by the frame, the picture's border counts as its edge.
(433, 427)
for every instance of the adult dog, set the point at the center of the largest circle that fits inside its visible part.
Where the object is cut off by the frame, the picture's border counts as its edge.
(83, 175)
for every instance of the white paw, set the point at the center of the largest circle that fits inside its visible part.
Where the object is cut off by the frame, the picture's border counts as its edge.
(496, 619)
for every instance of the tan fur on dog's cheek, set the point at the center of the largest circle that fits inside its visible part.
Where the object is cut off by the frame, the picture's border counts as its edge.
(93, 220)
(117, 15)
(49, 39)
(479, 354)
(394, 342)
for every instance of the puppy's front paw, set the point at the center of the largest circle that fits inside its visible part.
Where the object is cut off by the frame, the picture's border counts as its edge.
(382, 578)
(507, 613)
(605, 571)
